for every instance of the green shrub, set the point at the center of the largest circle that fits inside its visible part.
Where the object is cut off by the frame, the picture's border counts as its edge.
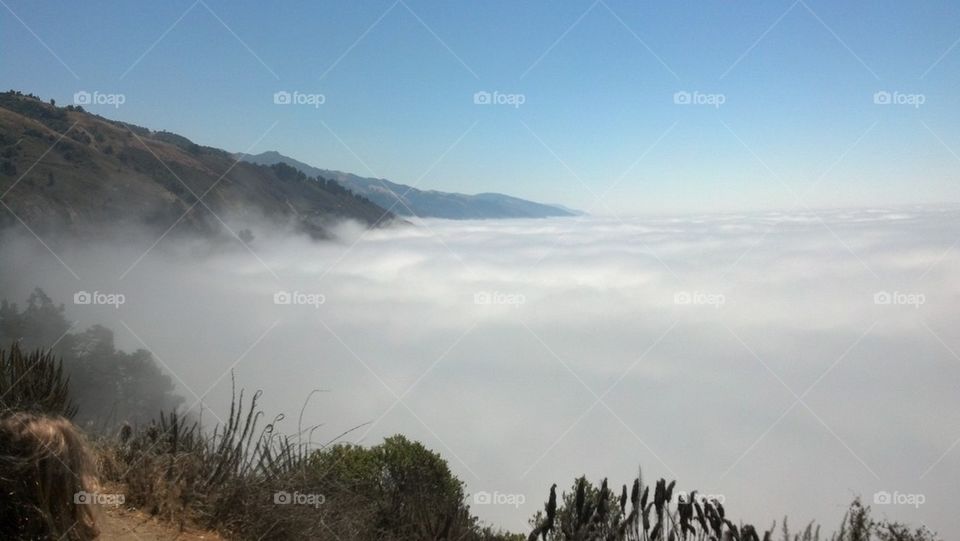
(240, 480)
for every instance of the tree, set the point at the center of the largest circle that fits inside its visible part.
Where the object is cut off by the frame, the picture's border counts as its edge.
(108, 386)
(399, 488)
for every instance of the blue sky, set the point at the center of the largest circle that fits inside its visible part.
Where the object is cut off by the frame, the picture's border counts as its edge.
(797, 126)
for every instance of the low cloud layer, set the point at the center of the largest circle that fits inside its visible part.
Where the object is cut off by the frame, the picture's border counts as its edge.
(785, 361)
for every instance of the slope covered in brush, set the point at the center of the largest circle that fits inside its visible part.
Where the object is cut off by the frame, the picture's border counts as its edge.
(62, 168)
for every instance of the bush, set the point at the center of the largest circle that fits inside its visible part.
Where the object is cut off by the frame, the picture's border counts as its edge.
(398, 490)
(253, 483)
(589, 513)
(34, 382)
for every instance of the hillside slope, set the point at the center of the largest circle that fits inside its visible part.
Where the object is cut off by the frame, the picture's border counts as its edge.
(62, 169)
(407, 201)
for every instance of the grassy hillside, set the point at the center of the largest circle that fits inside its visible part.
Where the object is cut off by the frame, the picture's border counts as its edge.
(62, 168)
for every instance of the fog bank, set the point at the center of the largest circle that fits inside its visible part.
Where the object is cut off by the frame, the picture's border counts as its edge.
(785, 361)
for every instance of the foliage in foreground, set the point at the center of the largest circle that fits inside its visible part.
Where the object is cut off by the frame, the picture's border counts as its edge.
(253, 483)
(598, 513)
(34, 382)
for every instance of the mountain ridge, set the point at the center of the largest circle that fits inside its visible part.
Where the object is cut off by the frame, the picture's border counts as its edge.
(407, 200)
(63, 169)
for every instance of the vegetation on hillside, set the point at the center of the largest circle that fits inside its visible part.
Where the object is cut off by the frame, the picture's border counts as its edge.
(251, 482)
(100, 176)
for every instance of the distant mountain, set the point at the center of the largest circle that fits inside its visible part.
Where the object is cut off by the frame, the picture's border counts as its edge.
(573, 212)
(63, 169)
(408, 201)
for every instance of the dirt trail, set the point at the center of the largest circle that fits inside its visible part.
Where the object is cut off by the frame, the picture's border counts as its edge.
(133, 525)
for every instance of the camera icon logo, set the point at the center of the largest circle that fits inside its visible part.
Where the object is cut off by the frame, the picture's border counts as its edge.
(482, 98)
(482, 498)
(682, 98)
(282, 497)
(882, 297)
(882, 498)
(82, 297)
(682, 297)
(83, 498)
(282, 97)
(881, 97)
(482, 297)
(282, 297)
(82, 98)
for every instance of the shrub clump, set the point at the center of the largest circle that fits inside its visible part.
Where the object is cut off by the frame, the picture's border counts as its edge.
(34, 382)
(253, 483)
(597, 513)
